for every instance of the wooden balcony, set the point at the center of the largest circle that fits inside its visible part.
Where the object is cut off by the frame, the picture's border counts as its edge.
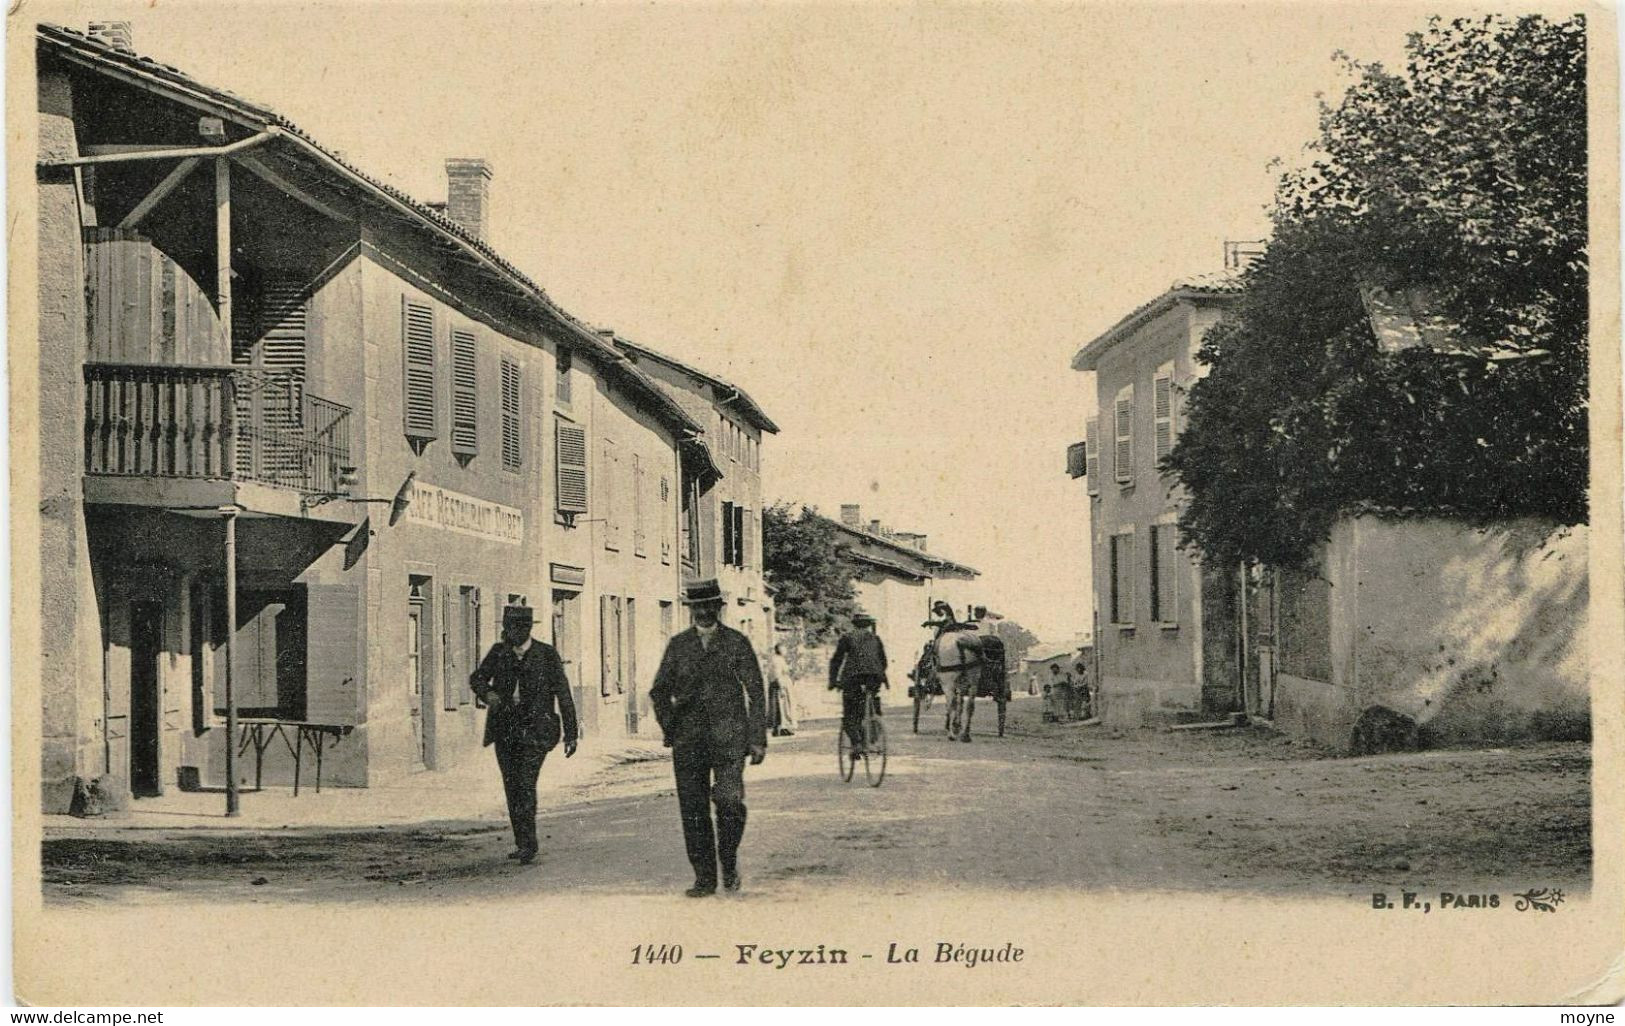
(233, 425)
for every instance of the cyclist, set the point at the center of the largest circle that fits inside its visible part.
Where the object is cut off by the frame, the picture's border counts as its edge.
(858, 669)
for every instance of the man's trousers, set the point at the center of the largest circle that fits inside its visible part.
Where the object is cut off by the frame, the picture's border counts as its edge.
(701, 784)
(521, 764)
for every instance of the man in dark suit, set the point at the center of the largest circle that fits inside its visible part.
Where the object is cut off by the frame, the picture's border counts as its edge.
(708, 700)
(858, 669)
(522, 682)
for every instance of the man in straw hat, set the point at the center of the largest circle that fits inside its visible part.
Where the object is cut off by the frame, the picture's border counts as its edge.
(708, 699)
(522, 682)
(858, 669)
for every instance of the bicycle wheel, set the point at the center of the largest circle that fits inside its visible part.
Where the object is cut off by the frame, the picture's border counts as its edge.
(874, 756)
(845, 764)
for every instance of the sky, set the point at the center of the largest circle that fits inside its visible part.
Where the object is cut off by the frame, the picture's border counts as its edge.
(892, 225)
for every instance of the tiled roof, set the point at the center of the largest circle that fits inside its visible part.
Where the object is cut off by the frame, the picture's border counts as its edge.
(933, 561)
(67, 41)
(753, 412)
(1215, 285)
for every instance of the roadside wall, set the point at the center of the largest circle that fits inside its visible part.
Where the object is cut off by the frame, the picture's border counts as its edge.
(1476, 635)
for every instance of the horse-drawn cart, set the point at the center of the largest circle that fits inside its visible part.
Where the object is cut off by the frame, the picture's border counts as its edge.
(962, 663)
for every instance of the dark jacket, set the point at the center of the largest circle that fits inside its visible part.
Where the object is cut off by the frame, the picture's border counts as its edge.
(529, 689)
(711, 699)
(860, 658)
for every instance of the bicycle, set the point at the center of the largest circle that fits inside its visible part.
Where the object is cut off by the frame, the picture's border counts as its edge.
(874, 749)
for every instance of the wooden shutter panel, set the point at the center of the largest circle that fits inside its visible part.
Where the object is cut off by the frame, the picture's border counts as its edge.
(332, 659)
(448, 652)
(605, 646)
(727, 533)
(570, 467)
(608, 473)
(744, 537)
(465, 393)
(512, 450)
(665, 519)
(1163, 413)
(1091, 457)
(418, 345)
(1124, 456)
(639, 513)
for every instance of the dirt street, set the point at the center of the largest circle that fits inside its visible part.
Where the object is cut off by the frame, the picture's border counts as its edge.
(1240, 810)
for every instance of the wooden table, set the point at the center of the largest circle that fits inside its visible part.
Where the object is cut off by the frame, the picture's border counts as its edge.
(260, 733)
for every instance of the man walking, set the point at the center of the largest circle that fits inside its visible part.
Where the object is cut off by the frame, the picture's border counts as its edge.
(707, 697)
(858, 668)
(522, 682)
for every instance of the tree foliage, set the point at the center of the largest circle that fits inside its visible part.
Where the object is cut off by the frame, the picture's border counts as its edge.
(1018, 641)
(813, 584)
(1466, 175)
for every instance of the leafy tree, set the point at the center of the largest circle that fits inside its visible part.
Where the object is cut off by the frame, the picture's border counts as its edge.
(1018, 641)
(801, 561)
(1465, 175)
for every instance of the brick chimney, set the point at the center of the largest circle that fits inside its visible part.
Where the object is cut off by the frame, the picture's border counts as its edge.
(850, 515)
(468, 195)
(113, 33)
(874, 527)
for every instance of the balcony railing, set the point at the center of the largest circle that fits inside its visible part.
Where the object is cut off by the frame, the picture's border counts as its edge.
(221, 423)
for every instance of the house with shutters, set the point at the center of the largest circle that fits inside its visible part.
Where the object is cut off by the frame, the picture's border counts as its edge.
(1165, 643)
(720, 488)
(309, 436)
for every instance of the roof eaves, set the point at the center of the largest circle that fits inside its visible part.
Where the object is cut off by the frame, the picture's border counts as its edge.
(579, 335)
(1209, 287)
(753, 410)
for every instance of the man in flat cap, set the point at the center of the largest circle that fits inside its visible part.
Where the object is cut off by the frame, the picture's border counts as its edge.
(858, 669)
(708, 699)
(521, 682)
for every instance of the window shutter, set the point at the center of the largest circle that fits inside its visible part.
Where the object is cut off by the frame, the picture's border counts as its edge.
(608, 471)
(665, 519)
(449, 663)
(417, 343)
(1123, 461)
(1091, 455)
(1163, 412)
(570, 467)
(332, 643)
(727, 533)
(640, 515)
(606, 646)
(469, 642)
(1076, 462)
(464, 393)
(1167, 556)
(512, 451)
(744, 537)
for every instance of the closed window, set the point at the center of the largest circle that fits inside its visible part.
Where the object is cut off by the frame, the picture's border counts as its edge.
(640, 511)
(666, 521)
(418, 354)
(1164, 574)
(465, 392)
(1122, 580)
(1162, 391)
(1091, 455)
(609, 473)
(512, 448)
(1123, 457)
(570, 467)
